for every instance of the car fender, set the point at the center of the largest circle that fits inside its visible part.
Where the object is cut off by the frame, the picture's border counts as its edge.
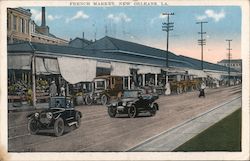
(56, 117)
(156, 104)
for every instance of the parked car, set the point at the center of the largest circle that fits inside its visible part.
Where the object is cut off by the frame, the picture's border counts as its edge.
(132, 103)
(105, 89)
(60, 113)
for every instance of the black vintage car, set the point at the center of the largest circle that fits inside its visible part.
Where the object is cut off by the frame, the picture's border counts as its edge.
(60, 113)
(132, 103)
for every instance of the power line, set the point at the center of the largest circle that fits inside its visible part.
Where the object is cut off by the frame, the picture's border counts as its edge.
(229, 60)
(201, 41)
(167, 26)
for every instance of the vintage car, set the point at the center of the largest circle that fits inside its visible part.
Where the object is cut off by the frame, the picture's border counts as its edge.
(105, 89)
(132, 103)
(60, 113)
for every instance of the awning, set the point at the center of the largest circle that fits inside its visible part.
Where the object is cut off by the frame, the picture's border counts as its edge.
(120, 69)
(19, 62)
(75, 70)
(214, 75)
(198, 73)
(143, 69)
(46, 66)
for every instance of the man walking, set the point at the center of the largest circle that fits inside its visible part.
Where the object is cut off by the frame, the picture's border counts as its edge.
(202, 90)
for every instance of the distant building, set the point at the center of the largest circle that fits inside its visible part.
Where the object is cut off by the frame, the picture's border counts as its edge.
(234, 63)
(18, 25)
(22, 28)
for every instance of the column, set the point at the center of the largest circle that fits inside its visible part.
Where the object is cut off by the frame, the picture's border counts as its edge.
(156, 79)
(143, 80)
(128, 82)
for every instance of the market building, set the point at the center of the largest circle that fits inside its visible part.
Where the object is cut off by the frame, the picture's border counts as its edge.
(137, 64)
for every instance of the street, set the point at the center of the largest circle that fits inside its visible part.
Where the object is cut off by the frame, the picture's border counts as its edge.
(99, 132)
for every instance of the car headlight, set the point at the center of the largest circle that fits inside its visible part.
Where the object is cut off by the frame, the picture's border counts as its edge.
(124, 103)
(36, 114)
(98, 94)
(49, 115)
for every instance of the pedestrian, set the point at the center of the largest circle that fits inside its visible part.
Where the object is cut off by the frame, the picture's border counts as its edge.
(53, 89)
(202, 89)
(62, 90)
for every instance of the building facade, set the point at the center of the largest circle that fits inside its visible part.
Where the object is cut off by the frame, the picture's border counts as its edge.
(234, 63)
(20, 27)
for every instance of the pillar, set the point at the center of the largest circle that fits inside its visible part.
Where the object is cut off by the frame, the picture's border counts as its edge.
(33, 81)
(143, 80)
(128, 82)
(156, 79)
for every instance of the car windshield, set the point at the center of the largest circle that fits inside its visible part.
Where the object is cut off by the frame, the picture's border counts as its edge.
(129, 94)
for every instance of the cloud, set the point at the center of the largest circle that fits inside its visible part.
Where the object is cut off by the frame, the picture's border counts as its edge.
(78, 15)
(119, 17)
(216, 16)
(36, 15)
(52, 18)
(160, 16)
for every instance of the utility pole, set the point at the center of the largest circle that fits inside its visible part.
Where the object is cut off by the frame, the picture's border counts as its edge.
(201, 41)
(229, 60)
(167, 26)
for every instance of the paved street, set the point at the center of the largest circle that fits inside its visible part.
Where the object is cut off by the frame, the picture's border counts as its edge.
(99, 132)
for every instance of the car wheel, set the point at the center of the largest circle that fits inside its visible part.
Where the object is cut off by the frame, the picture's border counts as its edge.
(111, 111)
(33, 126)
(132, 112)
(153, 110)
(88, 100)
(104, 99)
(59, 127)
(78, 120)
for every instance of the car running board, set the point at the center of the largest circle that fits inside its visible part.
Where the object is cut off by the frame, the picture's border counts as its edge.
(72, 123)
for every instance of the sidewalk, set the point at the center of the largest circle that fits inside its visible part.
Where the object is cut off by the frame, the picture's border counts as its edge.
(176, 136)
(26, 107)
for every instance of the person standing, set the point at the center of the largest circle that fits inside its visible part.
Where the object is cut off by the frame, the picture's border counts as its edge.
(202, 89)
(62, 90)
(53, 89)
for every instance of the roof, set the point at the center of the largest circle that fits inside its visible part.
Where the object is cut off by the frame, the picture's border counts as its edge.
(196, 64)
(109, 43)
(231, 60)
(81, 39)
(109, 48)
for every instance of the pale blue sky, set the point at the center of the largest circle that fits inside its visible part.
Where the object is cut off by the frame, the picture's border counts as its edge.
(143, 25)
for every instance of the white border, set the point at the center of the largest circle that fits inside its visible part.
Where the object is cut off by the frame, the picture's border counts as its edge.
(244, 155)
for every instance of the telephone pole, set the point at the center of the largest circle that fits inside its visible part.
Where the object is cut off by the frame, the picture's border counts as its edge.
(201, 41)
(229, 60)
(167, 26)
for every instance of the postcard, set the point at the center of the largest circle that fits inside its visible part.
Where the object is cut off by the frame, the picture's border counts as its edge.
(124, 80)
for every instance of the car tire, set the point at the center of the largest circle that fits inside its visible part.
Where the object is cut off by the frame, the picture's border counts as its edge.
(88, 100)
(104, 100)
(132, 111)
(111, 111)
(33, 126)
(59, 127)
(153, 110)
(78, 120)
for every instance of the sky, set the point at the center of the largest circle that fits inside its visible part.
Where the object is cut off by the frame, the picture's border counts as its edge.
(143, 25)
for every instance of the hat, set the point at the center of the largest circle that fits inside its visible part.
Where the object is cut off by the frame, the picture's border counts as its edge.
(53, 82)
